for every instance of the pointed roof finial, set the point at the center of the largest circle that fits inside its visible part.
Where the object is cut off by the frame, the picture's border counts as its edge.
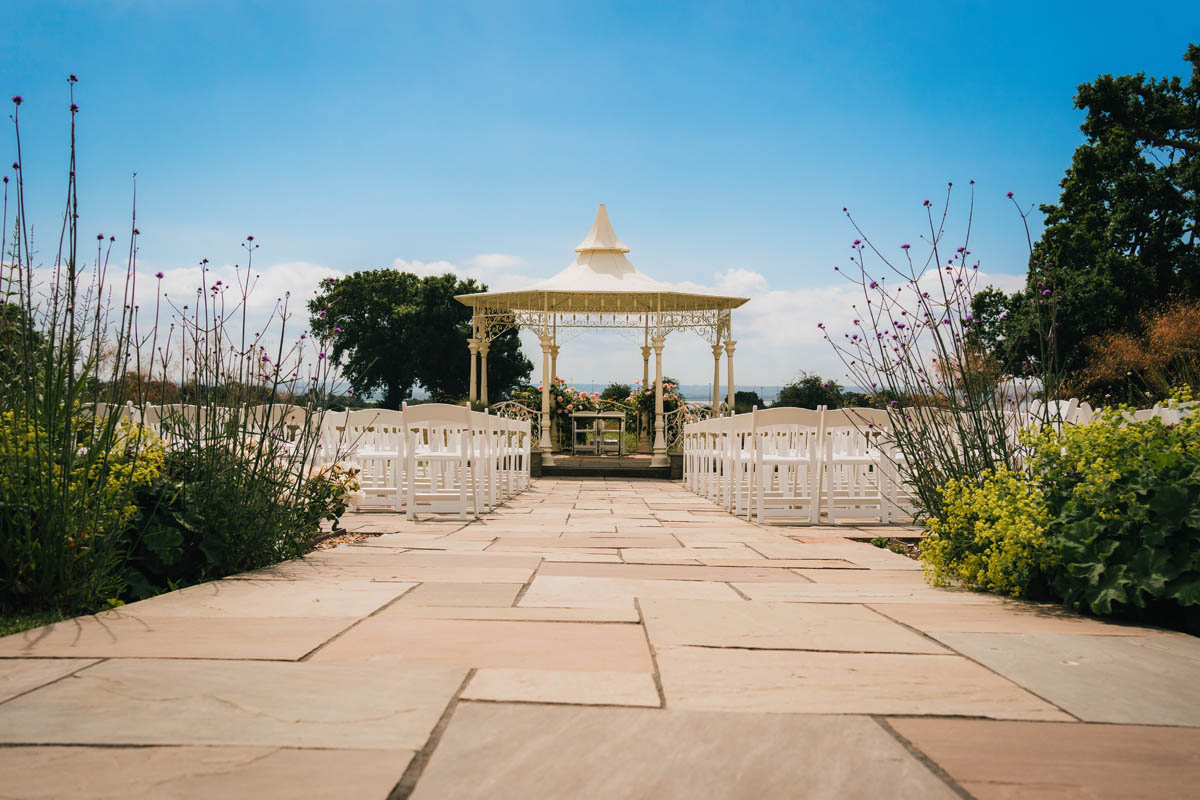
(602, 236)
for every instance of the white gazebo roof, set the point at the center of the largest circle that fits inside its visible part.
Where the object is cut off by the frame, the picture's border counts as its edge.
(600, 280)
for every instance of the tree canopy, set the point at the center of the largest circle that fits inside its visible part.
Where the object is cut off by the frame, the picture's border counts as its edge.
(746, 401)
(393, 331)
(1122, 238)
(810, 391)
(616, 391)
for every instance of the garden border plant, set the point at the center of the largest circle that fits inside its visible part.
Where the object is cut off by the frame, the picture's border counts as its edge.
(916, 349)
(95, 508)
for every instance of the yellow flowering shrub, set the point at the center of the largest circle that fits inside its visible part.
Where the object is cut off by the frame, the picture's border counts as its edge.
(134, 459)
(990, 536)
(67, 498)
(1125, 497)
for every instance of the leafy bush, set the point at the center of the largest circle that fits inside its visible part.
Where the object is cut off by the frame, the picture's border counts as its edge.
(917, 348)
(616, 391)
(213, 512)
(63, 511)
(94, 508)
(1124, 498)
(644, 399)
(810, 391)
(1106, 518)
(991, 536)
(746, 401)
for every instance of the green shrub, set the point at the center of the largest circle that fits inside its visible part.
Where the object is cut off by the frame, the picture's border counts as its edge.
(1125, 502)
(215, 511)
(67, 496)
(991, 536)
(93, 510)
(1106, 519)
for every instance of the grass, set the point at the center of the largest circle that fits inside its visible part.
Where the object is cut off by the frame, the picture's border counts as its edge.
(15, 623)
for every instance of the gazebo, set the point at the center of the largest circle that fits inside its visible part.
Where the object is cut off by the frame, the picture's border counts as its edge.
(601, 289)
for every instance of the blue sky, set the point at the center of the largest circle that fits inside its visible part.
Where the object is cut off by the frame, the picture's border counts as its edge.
(725, 138)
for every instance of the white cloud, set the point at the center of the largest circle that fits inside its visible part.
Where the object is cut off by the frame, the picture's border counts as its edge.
(496, 261)
(493, 269)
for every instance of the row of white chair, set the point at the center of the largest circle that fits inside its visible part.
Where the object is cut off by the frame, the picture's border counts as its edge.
(424, 458)
(792, 463)
(433, 458)
(175, 420)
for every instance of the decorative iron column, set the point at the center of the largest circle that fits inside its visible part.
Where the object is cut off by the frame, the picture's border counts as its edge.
(716, 394)
(644, 443)
(483, 351)
(660, 434)
(729, 345)
(554, 380)
(473, 346)
(544, 440)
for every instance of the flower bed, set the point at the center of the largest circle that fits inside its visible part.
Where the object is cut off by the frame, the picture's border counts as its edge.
(1105, 517)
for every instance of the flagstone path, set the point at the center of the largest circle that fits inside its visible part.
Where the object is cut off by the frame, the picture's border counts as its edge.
(596, 639)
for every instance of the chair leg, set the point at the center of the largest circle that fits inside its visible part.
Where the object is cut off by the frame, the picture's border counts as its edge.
(759, 500)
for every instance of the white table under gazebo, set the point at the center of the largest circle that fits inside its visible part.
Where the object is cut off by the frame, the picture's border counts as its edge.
(601, 289)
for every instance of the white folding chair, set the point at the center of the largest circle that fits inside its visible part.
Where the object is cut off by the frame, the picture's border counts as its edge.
(858, 473)
(486, 457)
(375, 441)
(440, 472)
(787, 463)
(524, 451)
(737, 463)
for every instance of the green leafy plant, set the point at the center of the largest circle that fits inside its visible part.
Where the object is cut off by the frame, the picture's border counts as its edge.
(991, 536)
(1124, 498)
(916, 347)
(1104, 517)
(810, 391)
(95, 507)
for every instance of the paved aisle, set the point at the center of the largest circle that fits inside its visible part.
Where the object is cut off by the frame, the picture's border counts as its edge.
(600, 638)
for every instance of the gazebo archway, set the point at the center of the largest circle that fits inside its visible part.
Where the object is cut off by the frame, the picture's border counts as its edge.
(601, 289)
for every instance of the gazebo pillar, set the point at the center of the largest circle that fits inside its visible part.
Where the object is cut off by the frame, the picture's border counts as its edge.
(473, 346)
(554, 382)
(544, 440)
(729, 345)
(483, 351)
(716, 394)
(644, 443)
(660, 434)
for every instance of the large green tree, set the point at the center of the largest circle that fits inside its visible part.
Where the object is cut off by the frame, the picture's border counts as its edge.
(394, 331)
(810, 391)
(1123, 237)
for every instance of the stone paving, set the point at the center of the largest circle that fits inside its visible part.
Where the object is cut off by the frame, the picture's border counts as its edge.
(596, 638)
